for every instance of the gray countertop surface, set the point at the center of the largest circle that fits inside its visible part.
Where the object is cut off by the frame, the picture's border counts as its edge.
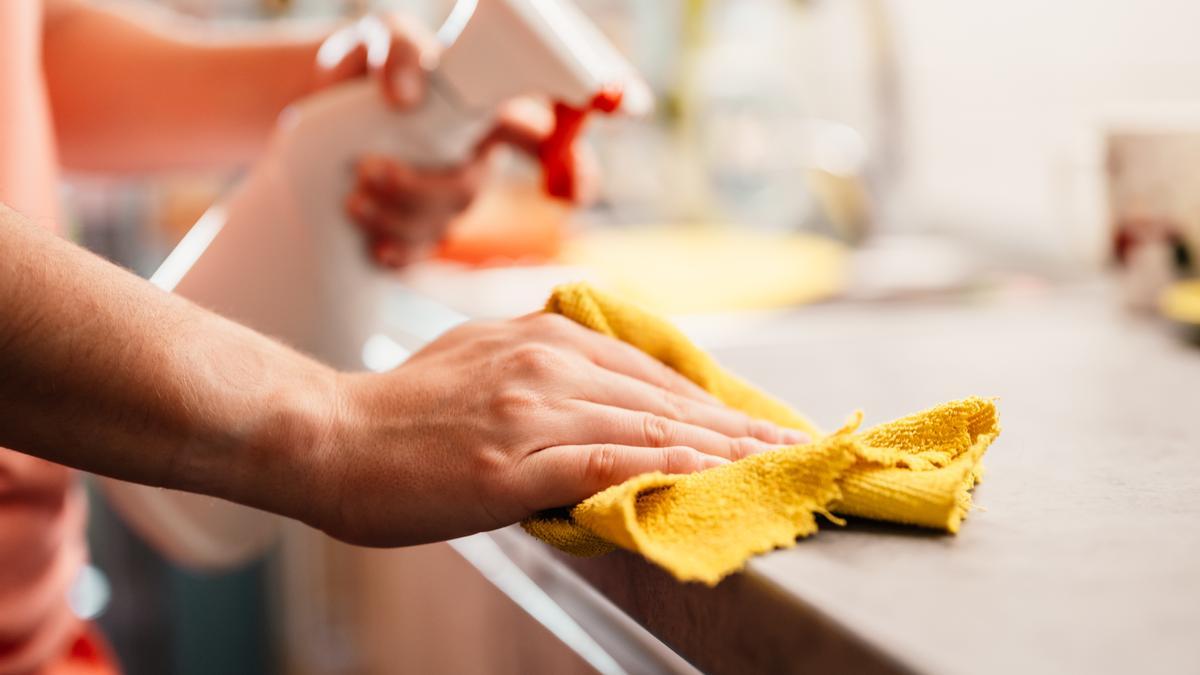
(1084, 553)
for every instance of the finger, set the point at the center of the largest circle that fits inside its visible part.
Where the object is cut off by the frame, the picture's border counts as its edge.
(568, 474)
(522, 123)
(396, 182)
(364, 210)
(401, 76)
(342, 56)
(615, 355)
(406, 217)
(399, 49)
(375, 217)
(414, 224)
(391, 222)
(394, 254)
(622, 391)
(420, 40)
(593, 423)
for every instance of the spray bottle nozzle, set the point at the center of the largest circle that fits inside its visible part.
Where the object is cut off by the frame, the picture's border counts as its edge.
(557, 153)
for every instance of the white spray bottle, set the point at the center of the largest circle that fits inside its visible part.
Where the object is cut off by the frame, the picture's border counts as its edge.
(281, 256)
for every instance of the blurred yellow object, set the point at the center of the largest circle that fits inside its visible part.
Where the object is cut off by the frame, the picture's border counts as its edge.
(696, 270)
(701, 527)
(1181, 301)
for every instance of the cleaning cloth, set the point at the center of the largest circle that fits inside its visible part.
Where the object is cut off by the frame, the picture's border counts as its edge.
(917, 470)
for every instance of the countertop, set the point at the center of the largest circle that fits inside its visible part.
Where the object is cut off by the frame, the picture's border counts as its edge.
(1084, 553)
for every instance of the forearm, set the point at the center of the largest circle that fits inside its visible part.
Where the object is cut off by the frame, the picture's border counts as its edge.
(103, 372)
(133, 90)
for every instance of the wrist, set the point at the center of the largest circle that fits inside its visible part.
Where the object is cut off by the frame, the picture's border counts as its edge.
(268, 445)
(326, 427)
(297, 454)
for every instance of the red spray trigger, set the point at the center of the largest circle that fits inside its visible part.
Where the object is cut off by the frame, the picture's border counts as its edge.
(557, 152)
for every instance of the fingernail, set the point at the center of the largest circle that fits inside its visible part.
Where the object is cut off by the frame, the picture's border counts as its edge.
(713, 461)
(793, 436)
(762, 447)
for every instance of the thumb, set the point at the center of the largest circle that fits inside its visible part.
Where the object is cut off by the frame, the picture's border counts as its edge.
(401, 50)
(522, 123)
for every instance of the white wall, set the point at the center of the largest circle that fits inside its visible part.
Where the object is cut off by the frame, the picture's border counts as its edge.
(1002, 100)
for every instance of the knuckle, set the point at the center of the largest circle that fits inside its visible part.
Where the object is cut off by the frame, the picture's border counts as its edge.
(668, 378)
(742, 447)
(601, 466)
(674, 406)
(656, 430)
(549, 323)
(490, 465)
(511, 403)
(536, 359)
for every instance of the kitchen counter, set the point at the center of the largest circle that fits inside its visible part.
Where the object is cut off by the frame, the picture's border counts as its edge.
(1084, 553)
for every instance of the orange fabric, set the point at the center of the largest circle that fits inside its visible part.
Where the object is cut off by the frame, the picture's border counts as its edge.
(43, 512)
(88, 654)
(28, 160)
(42, 508)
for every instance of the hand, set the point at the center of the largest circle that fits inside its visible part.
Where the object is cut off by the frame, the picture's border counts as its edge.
(405, 210)
(495, 421)
(390, 48)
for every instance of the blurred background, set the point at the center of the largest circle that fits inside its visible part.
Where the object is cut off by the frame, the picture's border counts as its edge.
(801, 151)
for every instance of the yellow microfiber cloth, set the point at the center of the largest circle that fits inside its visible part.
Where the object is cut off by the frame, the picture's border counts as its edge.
(917, 470)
